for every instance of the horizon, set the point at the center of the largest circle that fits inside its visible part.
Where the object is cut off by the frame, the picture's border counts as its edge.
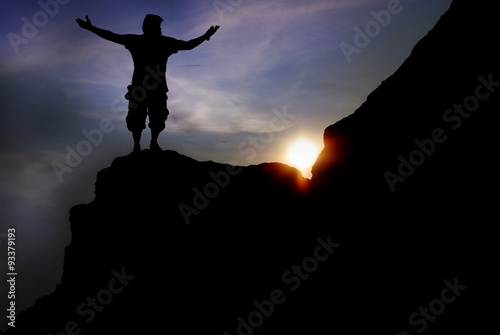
(305, 64)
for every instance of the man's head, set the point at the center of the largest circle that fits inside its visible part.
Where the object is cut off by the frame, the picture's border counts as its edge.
(152, 25)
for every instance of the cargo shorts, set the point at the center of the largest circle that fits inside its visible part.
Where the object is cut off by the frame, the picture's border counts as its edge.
(144, 103)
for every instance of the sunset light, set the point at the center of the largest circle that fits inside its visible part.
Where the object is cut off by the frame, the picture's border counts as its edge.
(302, 155)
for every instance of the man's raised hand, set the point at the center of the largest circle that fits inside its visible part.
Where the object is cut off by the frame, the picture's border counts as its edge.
(211, 31)
(84, 24)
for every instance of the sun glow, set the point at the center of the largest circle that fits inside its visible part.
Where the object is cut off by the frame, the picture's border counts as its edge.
(302, 155)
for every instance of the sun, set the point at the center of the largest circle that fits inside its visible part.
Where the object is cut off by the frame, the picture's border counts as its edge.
(302, 155)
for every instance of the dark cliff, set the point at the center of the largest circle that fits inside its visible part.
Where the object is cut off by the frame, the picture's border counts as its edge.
(393, 234)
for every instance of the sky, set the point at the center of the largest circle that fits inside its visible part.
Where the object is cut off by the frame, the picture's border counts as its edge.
(276, 71)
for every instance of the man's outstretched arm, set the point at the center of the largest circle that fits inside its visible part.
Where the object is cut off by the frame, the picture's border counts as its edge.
(191, 44)
(106, 34)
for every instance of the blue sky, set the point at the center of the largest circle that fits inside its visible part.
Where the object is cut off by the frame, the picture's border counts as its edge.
(268, 57)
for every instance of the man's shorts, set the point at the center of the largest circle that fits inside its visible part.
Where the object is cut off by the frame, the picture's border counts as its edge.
(143, 103)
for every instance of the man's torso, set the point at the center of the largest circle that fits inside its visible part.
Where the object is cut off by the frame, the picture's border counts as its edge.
(150, 55)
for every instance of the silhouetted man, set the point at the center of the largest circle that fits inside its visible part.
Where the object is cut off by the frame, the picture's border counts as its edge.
(148, 93)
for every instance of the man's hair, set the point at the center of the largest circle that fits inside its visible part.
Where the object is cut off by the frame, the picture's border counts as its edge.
(151, 24)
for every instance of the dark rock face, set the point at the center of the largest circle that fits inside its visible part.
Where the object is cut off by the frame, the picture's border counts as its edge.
(443, 71)
(393, 234)
(173, 243)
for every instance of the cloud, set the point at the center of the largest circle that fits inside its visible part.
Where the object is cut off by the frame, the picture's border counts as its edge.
(206, 106)
(257, 61)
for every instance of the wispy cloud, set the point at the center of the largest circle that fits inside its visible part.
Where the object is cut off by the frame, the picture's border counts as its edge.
(249, 67)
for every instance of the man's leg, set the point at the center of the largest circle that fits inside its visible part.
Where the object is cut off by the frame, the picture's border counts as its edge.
(158, 114)
(154, 139)
(136, 122)
(136, 134)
